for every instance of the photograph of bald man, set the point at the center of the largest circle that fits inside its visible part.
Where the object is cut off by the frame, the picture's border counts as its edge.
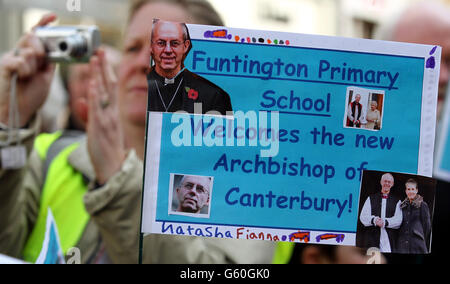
(191, 195)
(172, 87)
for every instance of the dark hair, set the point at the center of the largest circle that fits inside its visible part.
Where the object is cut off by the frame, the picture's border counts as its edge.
(413, 181)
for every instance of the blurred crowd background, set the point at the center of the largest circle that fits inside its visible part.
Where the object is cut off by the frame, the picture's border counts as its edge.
(348, 18)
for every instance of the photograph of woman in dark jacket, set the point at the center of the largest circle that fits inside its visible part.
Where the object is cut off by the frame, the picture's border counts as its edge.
(415, 231)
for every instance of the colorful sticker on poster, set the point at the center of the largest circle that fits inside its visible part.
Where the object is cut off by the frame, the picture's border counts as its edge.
(306, 116)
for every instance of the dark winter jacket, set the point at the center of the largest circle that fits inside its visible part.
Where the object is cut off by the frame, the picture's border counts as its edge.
(415, 231)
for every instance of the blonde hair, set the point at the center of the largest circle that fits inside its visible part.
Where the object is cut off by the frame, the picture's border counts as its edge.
(201, 11)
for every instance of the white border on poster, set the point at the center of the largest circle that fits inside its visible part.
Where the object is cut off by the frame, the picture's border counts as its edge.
(152, 171)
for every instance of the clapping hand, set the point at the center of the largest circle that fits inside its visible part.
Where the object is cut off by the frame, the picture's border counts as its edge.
(105, 137)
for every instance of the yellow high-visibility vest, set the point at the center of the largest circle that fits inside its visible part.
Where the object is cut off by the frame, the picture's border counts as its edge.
(283, 253)
(63, 192)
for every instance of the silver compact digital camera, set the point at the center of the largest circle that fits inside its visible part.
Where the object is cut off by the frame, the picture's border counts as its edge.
(69, 44)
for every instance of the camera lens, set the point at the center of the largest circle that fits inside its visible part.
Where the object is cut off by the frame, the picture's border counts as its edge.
(76, 46)
(63, 46)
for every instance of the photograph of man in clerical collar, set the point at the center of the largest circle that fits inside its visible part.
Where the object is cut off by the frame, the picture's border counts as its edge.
(380, 214)
(190, 195)
(396, 212)
(364, 109)
(172, 87)
(355, 112)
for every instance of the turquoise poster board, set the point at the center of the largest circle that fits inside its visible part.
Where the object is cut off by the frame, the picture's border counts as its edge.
(287, 163)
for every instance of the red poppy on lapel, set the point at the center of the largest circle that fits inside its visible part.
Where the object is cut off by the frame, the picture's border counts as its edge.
(192, 94)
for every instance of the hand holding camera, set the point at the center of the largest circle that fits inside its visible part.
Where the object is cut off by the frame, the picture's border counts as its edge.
(34, 75)
(31, 61)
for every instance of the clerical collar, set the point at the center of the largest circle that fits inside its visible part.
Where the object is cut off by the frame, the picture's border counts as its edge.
(171, 81)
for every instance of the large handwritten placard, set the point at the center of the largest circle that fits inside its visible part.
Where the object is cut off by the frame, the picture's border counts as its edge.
(310, 115)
